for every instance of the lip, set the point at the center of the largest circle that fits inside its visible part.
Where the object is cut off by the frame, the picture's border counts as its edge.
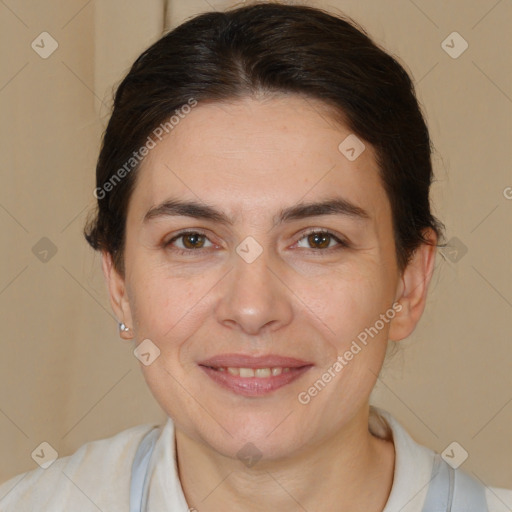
(254, 386)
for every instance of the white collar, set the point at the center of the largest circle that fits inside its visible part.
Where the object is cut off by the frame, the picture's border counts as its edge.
(413, 464)
(413, 468)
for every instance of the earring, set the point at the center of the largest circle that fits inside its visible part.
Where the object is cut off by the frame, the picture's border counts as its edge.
(123, 327)
(125, 332)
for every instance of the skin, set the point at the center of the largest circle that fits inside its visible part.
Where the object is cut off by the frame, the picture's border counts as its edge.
(250, 158)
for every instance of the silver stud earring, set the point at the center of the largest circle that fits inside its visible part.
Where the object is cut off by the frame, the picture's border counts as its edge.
(123, 327)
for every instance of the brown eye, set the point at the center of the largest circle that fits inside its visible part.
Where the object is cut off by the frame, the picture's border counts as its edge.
(193, 240)
(190, 241)
(319, 239)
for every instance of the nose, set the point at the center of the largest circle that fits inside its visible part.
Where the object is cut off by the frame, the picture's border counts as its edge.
(255, 298)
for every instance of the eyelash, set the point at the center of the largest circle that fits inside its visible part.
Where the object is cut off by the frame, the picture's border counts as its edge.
(342, 244)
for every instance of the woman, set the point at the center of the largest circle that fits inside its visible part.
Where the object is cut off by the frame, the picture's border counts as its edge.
(265, 229)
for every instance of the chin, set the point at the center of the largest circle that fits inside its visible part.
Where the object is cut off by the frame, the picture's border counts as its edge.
(267, 439)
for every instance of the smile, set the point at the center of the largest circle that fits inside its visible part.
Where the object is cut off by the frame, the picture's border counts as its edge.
(253, 376)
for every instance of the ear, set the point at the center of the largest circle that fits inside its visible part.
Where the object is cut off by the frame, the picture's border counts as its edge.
(118, 296)
(412, 288)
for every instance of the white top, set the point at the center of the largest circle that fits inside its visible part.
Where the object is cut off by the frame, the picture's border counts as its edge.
(97, 476)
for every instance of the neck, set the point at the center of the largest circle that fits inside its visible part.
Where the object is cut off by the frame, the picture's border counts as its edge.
(351, 470)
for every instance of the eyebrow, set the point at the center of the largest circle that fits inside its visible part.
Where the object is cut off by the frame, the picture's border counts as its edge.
(334, 206)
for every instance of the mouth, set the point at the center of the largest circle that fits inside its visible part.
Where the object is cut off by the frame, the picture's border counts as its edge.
(254, 376)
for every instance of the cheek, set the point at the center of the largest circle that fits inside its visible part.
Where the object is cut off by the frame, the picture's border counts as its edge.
(353, 303)
(169, 312)
(168, 309)
(350, 300)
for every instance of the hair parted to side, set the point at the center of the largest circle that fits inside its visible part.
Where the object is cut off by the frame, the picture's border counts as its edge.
(265, 49)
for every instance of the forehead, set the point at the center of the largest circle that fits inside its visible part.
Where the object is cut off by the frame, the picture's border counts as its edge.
(258, 156)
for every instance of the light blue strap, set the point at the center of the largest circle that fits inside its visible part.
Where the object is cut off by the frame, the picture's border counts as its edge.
(140, 469)
(453, 490)
(468, 494)
(439, 493)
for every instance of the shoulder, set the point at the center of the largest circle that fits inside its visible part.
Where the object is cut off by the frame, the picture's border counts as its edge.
(95, 477)
(499, 500)
(413, 468)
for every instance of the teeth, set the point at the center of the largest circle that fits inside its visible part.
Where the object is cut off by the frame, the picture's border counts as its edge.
(254, 372)
(246, 372)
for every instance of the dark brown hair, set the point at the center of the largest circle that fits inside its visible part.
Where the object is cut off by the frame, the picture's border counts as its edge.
(269, 48)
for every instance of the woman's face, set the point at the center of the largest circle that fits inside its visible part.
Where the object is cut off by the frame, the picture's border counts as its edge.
(252, 282)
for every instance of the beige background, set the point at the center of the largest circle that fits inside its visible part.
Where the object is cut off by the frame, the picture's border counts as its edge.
(66, 377)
